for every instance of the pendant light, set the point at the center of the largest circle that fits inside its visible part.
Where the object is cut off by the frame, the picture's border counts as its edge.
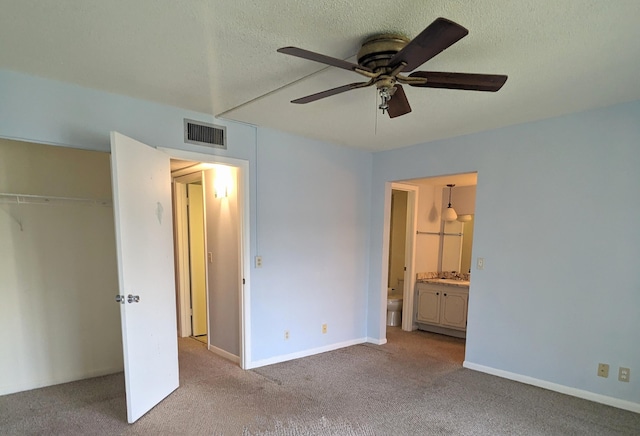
(449, 213)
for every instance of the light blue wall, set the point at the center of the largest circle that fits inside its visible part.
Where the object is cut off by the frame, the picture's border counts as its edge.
(313, 229)
(557, 212)
(309, 207)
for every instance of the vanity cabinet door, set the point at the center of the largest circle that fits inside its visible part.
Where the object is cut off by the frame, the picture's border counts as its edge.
(453, 311)
(429, 305)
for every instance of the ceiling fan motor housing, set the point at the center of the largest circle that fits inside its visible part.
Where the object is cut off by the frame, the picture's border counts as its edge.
(377, 50)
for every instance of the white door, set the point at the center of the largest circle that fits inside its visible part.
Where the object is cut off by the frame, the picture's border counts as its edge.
(142, 207)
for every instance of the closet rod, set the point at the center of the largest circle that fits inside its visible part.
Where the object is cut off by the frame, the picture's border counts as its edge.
(438, 233)
(49, 199)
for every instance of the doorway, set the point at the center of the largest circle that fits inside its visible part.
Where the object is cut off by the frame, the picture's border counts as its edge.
(208, 255)
(430, 247)
(190, 253)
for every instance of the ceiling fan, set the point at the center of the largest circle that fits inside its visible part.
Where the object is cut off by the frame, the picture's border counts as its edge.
(383, 58)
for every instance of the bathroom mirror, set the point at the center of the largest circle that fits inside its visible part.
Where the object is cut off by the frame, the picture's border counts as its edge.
(467, 244)
(456, 246)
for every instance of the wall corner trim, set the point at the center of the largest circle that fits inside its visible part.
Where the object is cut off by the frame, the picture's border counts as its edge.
(377, 341)
(225, 354)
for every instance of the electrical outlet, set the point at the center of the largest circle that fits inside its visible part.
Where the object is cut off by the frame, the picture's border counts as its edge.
(258, 261)
(623, 374)
(480, 263)
(286, 335)
(324, 329)
(603, 370)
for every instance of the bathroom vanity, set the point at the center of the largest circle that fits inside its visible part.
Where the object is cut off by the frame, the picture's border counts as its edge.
(442, 306)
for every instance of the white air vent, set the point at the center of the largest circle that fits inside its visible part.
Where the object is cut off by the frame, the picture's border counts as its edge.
(199, 133)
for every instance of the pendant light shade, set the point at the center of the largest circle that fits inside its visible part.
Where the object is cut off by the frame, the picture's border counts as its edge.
(449, 214)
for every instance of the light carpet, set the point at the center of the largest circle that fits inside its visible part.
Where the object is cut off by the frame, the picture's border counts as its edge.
(414, 384)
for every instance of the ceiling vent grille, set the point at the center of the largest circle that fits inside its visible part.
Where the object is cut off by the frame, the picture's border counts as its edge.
(199, 133)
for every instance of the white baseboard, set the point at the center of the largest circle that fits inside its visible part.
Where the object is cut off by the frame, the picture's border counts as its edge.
(43, 383)
(579, 393)
(305, 353)
(377, 341)
(222, 353)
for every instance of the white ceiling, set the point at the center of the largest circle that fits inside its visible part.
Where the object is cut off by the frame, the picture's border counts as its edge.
(219, 57)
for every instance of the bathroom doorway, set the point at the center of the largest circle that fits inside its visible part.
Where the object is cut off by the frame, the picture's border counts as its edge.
(428, 251)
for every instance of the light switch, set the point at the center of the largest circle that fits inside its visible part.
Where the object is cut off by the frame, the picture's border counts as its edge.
(480, 263)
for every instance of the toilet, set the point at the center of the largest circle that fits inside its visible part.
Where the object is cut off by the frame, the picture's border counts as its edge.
(394, 308)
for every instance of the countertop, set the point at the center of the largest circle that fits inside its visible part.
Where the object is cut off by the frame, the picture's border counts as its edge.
(447, 282)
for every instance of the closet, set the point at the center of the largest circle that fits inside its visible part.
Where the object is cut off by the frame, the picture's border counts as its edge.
(58, 319)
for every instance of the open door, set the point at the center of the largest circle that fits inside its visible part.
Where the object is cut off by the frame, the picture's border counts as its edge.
(144, 240)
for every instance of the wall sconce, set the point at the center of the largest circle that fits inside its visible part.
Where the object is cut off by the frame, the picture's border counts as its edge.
(223, 180)
(449, 214)
(221, 192)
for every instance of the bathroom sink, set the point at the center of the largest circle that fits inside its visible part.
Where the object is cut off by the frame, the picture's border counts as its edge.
(450, 282)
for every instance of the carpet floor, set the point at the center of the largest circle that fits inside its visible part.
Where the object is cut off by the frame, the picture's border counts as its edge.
(414, 384)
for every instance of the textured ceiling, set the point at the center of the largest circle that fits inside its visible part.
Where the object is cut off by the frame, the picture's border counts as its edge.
(219, 57)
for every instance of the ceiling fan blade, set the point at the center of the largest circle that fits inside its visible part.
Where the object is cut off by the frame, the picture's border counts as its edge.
(330, 92)
(398, 105)
(323, 59)
(439, 35)
(468, 81)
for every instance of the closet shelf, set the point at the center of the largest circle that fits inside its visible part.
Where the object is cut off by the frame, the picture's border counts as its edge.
(50, 199)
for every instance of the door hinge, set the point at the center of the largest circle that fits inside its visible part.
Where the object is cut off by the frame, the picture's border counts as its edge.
(243, 281)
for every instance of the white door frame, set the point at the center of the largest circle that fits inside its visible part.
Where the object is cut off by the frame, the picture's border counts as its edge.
(245, 249)
(409, 256)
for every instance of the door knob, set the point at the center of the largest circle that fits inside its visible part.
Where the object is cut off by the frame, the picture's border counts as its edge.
(120, 299)
(133, 298)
